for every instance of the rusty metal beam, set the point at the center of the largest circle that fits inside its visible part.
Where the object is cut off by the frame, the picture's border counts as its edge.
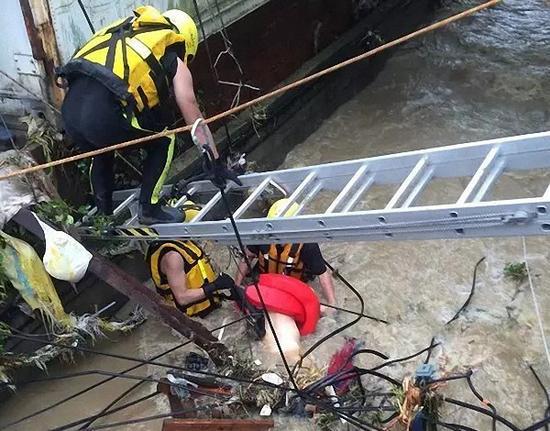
(218, 425)
(149, 300)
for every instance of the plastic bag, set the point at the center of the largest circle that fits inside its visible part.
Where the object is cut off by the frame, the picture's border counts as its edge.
(65, 258)
(26, 273)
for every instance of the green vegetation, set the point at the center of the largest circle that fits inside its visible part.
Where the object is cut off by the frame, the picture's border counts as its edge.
(516, 271)
(60, 212)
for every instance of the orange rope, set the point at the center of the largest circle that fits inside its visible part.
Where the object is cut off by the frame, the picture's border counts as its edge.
(269, 95)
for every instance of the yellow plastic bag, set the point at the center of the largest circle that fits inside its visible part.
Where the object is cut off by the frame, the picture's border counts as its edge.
(26, 273)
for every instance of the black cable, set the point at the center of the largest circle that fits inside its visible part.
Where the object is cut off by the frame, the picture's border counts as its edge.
(345, 310)
(482, 399)
(429, 355)
(148, 418)
(454, 427)
(539, 424)
(450, 378)
(260, 296)
(406, 358)
(342, 328)
(154, 363)
(211, 63)
(128, 377)
(472, 290)
(547, 396)
(85, 12)
(90, 419)
(328, 380)
(100, 383)
(201, 26)
(106, 410)
(484, 412)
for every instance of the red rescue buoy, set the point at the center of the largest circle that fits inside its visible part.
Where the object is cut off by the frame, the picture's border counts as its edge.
(290, 296)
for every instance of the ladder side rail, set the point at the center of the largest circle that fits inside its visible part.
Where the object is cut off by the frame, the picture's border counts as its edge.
(509, 146)
(457, 221)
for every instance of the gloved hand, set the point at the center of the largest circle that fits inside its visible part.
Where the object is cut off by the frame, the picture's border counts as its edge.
(219, 173)
(223, 287)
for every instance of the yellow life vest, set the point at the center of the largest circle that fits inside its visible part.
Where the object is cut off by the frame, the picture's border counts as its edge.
(198, 271)
(282, 259)
(125, 57)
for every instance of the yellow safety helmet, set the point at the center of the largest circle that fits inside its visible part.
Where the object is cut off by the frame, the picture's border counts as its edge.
(190, 210)
(277, 208)
(187, 28)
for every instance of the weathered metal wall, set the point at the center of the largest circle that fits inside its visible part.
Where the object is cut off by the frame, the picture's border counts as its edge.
(72, 30)
(16, 60)
(27, 66)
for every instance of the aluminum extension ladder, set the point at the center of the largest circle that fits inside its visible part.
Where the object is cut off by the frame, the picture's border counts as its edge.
(473, 213)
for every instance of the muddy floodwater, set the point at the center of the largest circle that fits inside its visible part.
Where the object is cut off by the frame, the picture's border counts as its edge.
(484, 77)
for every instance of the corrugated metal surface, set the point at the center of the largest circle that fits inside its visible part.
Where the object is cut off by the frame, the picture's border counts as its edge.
(16, 60)
(72, 30)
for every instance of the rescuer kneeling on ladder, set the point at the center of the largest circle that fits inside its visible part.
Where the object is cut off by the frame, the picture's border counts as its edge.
(301, 261)
(120, 84)
(184, 277)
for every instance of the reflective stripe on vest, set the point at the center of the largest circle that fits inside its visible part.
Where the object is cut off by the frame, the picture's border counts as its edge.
(125, 57)
(197, 269)
(282, 260)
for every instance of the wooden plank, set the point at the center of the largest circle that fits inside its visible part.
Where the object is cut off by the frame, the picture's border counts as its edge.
(149, 300)
(218, 425)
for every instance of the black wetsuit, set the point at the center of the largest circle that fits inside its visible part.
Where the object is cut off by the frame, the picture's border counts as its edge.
(94, 119)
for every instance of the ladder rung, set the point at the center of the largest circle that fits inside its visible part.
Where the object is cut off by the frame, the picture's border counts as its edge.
(347, 189)
(369, 181)
(124, 204)
(185, 197)
(418, 188)
(299, 190)
(409, 183)
(313, 192)
(207, 207)
(253, 196)
(478, 176)
(490, 180)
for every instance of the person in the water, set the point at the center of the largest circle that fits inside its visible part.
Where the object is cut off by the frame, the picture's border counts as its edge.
(301, 261)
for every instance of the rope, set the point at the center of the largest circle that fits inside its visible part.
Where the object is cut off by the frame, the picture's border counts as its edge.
(535, 302)
(260, 99)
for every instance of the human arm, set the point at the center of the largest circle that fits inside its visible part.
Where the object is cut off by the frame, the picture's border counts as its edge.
(172, 267)
(188, 105)
(314, 264)
(325, 280)
(242, 268)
